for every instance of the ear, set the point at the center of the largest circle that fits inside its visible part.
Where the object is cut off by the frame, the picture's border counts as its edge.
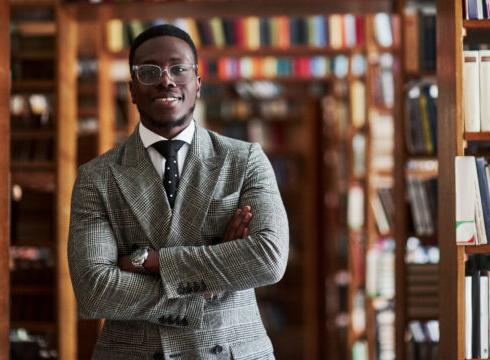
(131, 91)
(198, 93)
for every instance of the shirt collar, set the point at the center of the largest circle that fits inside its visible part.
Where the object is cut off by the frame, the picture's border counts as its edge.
(148, 137)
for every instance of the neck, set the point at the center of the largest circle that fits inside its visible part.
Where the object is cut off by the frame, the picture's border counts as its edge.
(167, 131)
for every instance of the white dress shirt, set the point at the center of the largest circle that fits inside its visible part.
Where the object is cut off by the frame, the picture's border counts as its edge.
(148, 138)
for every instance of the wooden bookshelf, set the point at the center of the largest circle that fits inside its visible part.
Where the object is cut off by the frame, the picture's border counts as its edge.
(450, 144)
(4, 178)
(405, 306)
(50, 177)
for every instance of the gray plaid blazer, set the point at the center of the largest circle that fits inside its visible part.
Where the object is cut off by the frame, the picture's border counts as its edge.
(119, 203)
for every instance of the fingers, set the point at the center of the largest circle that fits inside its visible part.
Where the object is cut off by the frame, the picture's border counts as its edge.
(238, 224)
(232, 225)
(245, 221)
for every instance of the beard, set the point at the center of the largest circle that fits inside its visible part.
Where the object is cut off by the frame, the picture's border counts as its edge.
(170, 124)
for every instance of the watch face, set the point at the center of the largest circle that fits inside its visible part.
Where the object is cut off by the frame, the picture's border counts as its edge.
(139, 256)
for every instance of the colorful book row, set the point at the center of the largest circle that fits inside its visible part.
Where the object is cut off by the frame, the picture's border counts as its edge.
(252, 32)
(275, 67)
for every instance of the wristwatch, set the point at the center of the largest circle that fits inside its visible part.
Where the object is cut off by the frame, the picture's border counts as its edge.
(138, 257)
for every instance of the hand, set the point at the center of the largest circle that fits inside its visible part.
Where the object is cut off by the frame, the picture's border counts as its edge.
(125, 264)
(238, 225)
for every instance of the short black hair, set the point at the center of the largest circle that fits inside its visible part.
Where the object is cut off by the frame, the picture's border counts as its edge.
(160, 30)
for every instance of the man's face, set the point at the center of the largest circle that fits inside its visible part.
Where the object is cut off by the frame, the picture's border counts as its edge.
(165, 108)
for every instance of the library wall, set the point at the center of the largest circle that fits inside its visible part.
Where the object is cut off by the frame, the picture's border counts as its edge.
(318, 90)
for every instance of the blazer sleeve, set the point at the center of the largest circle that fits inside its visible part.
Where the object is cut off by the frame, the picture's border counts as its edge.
(101, 288)
(258, 260)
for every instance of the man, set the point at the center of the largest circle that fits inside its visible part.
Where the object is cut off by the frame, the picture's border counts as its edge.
(173, 266)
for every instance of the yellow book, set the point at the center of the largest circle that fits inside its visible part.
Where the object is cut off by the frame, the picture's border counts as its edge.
(115, 35)
(217, 32)
(335, 31)
(274, 31)
(191, 28)
(269, 67)
(252, 32)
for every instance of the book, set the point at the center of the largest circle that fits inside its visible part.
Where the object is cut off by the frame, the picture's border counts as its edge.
(471, 91)
(484, 67)
(466, 183)
(481, 166)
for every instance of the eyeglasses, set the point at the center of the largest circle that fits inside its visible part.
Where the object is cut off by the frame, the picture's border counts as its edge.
(150, 74)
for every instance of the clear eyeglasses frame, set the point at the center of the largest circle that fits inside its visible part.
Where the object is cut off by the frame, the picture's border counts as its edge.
(151, 74)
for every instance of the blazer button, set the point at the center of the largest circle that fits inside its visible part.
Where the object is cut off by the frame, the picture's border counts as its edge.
(181, 289)
(158, 356)
(163, 319)
(217, 349)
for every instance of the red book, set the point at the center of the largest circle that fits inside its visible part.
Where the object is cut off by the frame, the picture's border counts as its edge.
(360, 38)
(239, 32)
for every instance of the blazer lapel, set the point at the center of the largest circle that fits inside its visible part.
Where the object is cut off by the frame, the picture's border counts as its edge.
(199, 178)
(142, 188)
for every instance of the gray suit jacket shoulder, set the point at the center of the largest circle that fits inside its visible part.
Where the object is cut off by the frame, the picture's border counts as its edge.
(119, 203)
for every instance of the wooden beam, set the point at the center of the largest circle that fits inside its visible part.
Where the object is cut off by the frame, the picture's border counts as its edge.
(209, 8)
(4, 177)
(450, 144)
(66, 173)
(106, 96)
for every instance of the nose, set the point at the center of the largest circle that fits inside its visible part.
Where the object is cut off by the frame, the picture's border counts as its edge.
(166, 79)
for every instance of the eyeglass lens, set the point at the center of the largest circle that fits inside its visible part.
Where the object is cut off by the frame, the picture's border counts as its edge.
(151, 74)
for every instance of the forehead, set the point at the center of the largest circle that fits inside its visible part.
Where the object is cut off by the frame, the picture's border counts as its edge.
(163, 49)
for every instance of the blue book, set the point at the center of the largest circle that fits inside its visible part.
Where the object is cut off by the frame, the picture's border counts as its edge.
(472, 9)
(294, 31)
(265, 34)
(481, 163)
(319, 36)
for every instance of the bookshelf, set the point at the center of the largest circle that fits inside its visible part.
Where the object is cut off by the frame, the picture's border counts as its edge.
(414, 173)
(4, 179)
(379, 247)
(457, 141)
(42, 174)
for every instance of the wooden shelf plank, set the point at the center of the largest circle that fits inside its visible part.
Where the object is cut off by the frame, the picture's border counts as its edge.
(39, 180)
(35, 28)
(477, 249)
(477, 136)
(34, 55)
(476, 24)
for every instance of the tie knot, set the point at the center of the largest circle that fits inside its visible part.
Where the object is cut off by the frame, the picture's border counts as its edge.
(168, 148)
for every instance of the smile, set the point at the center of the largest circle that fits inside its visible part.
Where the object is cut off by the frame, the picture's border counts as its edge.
(167, 100)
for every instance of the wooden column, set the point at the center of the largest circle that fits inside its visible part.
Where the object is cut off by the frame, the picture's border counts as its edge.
(66, 173)
(4, 177)
(400, 216)
(105, 91)
(450, 144)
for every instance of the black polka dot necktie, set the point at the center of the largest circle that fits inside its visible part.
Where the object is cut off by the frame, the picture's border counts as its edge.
(169, 149)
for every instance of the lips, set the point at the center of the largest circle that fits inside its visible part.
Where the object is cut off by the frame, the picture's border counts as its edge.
(168, 101)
